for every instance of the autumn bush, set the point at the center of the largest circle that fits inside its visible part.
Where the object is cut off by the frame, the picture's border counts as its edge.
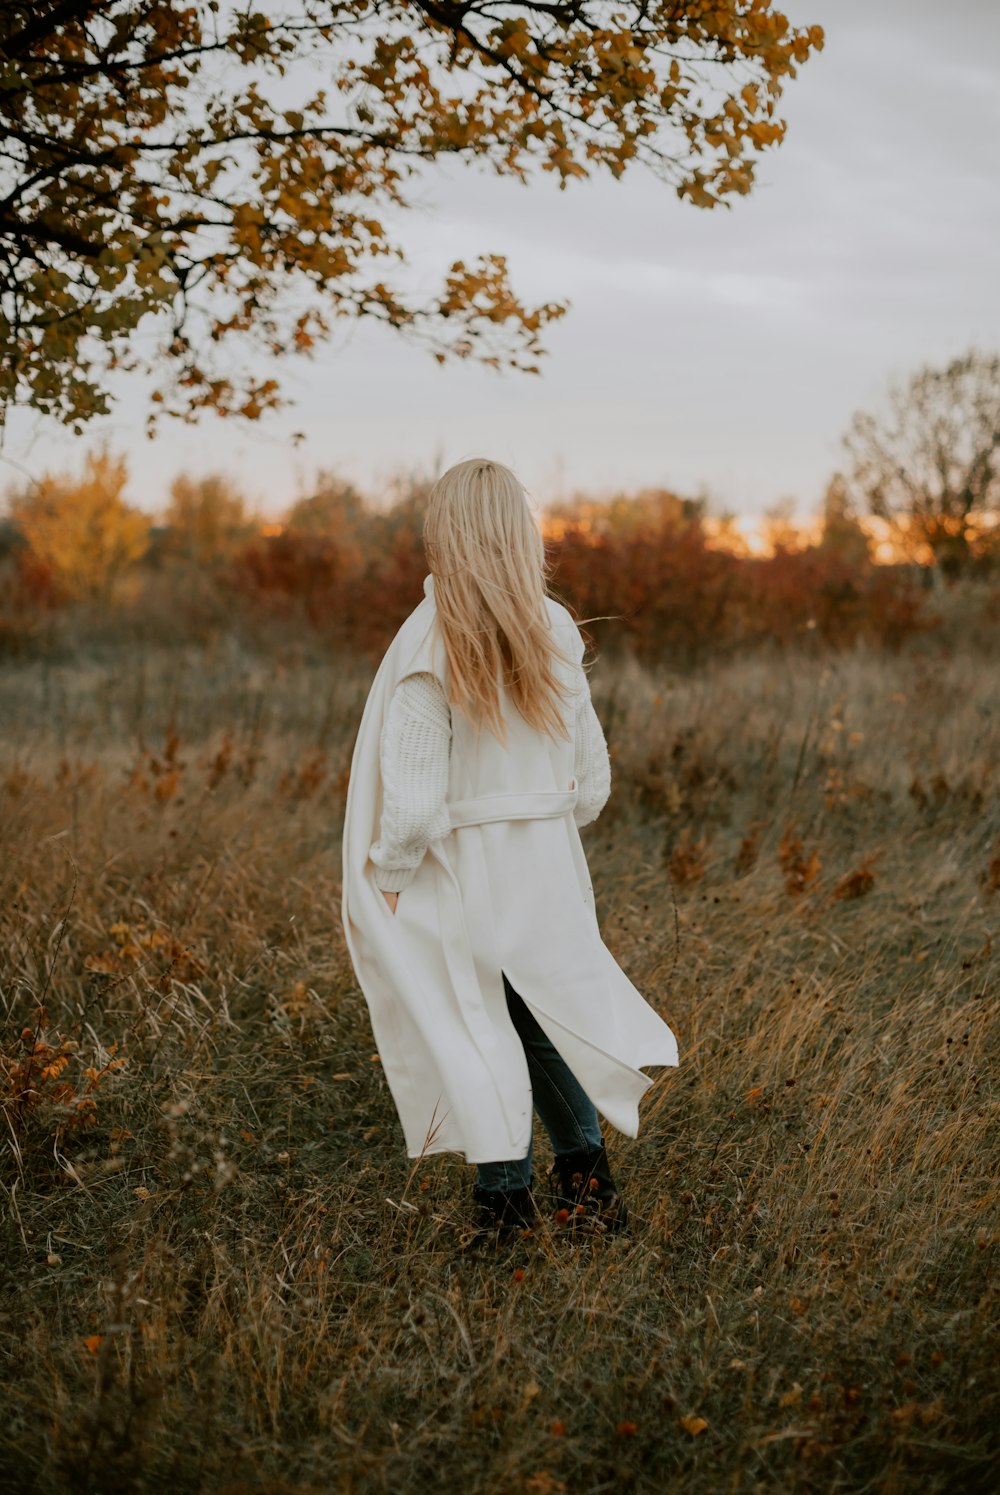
(48, 1091)
(81, 530)
(672, 595)
(30, 600)
(290, 574)
(354, 593)
(222, 1273)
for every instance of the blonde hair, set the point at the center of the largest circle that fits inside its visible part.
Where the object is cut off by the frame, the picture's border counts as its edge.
(487, 558)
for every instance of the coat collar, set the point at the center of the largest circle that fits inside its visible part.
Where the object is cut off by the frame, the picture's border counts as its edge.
(429, 586)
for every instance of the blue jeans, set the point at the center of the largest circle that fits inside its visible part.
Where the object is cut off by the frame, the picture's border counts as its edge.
(566, 1111)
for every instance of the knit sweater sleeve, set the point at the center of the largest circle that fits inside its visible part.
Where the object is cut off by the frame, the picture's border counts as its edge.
(414, 749)
(592, 762)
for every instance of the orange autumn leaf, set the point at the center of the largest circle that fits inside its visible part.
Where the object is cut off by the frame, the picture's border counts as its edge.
(93, 1343)
(694, 1425)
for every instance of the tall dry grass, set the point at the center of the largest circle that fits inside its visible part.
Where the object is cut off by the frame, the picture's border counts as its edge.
(222, 1274)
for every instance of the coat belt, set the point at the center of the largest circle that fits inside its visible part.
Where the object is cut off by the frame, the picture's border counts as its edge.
(540, 804)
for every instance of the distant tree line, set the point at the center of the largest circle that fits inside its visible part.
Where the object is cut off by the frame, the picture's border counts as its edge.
(653, 570)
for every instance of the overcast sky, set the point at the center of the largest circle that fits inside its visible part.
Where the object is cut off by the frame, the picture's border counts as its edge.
(721, 351)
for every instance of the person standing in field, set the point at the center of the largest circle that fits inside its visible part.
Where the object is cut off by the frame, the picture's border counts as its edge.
(467, 903)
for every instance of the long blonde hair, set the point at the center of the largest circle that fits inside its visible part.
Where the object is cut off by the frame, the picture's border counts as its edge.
(487, 558)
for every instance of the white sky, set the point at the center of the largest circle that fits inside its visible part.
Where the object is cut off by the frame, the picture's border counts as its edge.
(721, 351)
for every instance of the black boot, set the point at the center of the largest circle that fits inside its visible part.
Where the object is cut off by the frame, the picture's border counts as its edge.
(505, 1210)
(585, 1193)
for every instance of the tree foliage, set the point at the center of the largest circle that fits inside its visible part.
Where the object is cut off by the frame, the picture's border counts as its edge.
(217, 174)
(930, 464)
(333, 508)
(207, 518)
(81, 530)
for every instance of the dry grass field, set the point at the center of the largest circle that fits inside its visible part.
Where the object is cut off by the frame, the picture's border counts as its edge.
(221, 1273)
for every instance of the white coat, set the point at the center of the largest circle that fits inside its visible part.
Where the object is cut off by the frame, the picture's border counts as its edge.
(506, 890)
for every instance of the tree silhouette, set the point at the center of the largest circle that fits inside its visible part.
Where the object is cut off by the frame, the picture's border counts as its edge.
(930, 465)
(842, 535)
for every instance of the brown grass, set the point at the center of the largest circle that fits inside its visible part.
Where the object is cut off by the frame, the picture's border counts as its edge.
(222, 1272)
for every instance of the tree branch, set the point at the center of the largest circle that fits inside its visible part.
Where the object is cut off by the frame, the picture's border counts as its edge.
(45, 23)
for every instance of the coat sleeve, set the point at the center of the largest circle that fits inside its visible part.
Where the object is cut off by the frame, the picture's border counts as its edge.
(592, 763)
(414, 749)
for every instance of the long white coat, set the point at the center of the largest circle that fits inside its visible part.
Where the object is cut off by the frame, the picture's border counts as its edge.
(507, 890)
